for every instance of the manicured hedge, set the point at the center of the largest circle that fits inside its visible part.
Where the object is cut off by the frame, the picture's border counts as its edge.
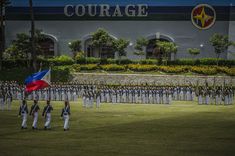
(204, 70)
(58, 73)
(112, 67)
(61, 60)
(142, 68)
(174, 69)
(203, 61)
(61, 73)
(89, 67)
(66, 60)
(15, 74)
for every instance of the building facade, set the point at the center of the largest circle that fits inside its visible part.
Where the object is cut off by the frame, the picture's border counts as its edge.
(187, 24)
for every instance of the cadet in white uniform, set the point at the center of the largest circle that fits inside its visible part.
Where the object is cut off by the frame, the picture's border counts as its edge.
(66, 114)
(34, 112)
(8, 100)
(47, 114)
(23, 111)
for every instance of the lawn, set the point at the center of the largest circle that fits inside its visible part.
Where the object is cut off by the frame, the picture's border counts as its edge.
(180, 129)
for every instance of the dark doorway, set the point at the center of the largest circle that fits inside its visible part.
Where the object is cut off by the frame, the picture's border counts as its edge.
(103, 52)
(154, 52)
(47, 48)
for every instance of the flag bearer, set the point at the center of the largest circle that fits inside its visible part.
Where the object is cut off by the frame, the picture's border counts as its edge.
(47, 114)
(34, 112)
(66, 114)
(23, 111)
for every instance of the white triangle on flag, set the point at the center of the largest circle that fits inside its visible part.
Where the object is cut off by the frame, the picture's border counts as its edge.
(47, 77)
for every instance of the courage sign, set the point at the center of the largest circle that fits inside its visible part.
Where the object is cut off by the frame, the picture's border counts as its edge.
(105, 10)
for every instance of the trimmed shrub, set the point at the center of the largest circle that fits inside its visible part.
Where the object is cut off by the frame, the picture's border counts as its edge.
(19, 63)
(190, 62)
(174, 69)
(61, 60)
(107, 61)
(61, 73)
(124, 61)
(92, 60)
(76, 67)
(15, 74)
(230, 71)
(209, 61)
(149, 61)
(113, 67)
(89, 67)
(204, 70)
(142, 68)
(81, 60)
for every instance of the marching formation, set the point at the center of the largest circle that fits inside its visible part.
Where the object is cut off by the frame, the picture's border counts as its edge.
(92, 94)
(34, 112)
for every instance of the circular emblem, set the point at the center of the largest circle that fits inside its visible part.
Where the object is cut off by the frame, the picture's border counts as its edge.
(203, 16)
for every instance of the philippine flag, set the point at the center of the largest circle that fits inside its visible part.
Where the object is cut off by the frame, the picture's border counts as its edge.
(38, 80)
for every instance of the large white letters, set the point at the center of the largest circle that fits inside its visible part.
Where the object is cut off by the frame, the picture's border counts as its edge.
(105, 10)
(67, 12)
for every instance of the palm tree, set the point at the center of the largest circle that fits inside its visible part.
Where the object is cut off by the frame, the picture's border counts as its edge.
(33, 36)
(3, 4)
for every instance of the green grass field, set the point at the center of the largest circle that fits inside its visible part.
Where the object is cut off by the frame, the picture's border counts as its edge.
(180, 129)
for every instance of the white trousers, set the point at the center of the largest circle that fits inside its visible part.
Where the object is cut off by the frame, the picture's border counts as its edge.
(200, 100)
(35, 120)
(2, 103)
(24, 120)
(98, 102)
(84, 101)
(8, 103)
(66, 121)
(48, 120)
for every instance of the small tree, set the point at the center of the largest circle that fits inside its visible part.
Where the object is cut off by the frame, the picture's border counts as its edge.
(141, 43)
(166, 48)
(120, 46)
(75, 47)
(101, 38)
(21, 47)
(220, 44)
(193, 51)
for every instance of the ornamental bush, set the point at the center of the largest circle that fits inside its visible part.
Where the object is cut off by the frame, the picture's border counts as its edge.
(230, 71)
(92, 60)
(174, 69)
(113, 67)
(61, 73)
(205, 70)
(142, 68)
(89, 67)
(124, 61)
(76, 67)
(148, 61)
(61, 60)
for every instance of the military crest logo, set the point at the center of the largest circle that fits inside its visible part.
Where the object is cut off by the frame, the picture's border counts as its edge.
(203, 16)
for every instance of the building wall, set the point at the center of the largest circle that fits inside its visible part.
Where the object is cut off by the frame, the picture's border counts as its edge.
(184, 33)
(231, 50)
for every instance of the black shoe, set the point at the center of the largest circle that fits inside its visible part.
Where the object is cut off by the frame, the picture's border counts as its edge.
(33, 128)
(22, 127)
(45, 128)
